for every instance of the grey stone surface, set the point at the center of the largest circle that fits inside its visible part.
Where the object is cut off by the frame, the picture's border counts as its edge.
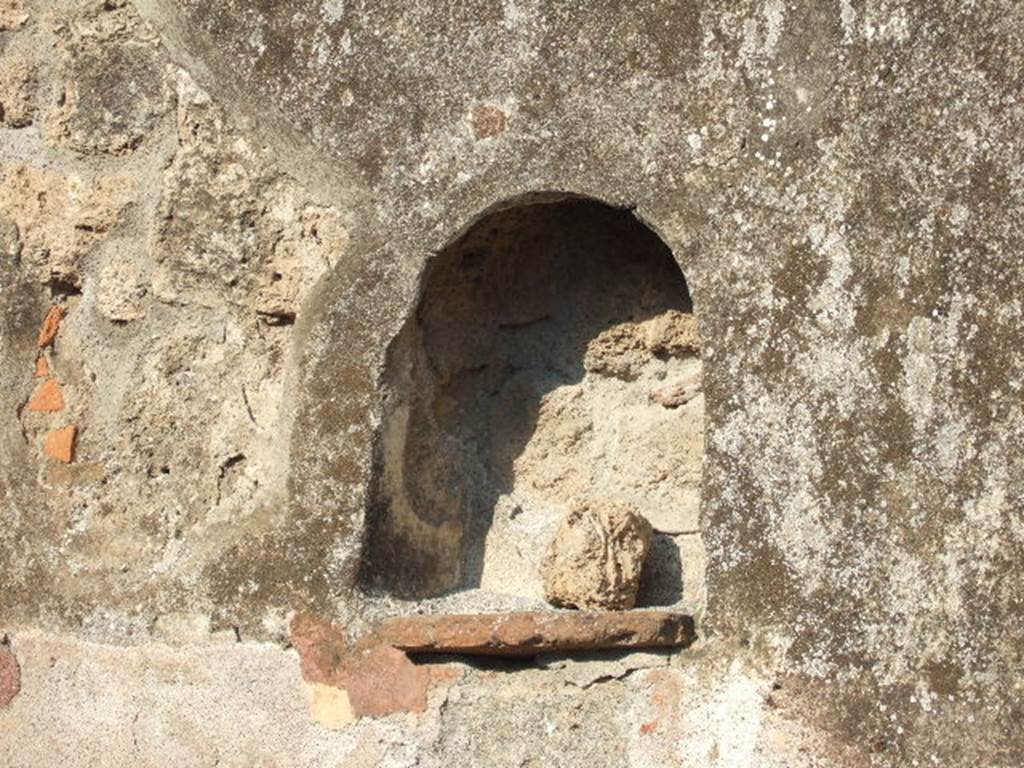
(840, 183)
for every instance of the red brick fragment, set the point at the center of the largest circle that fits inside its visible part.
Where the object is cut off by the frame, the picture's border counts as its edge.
(381, 680)
(322, 647)
(60, 444)
(42, 367)
(51, 324)
(378, 679)
(10, 676)
(49, 398)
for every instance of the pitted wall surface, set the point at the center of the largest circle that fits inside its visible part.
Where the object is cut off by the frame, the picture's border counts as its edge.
(234, 204)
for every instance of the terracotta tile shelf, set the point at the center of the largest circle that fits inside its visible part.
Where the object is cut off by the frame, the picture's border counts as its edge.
(527, 633)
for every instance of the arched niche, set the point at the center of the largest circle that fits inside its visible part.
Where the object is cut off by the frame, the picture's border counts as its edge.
(552, 354)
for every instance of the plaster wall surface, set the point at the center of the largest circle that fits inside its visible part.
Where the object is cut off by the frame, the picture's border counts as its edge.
(234, 203)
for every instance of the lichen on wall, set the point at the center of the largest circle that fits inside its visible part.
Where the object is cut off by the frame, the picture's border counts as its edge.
(234, 204)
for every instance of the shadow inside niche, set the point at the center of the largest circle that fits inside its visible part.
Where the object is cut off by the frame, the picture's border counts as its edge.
(629, 659)
(661, 582)
(504, 401)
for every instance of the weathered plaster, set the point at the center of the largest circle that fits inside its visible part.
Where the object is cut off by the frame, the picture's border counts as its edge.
(841, 183)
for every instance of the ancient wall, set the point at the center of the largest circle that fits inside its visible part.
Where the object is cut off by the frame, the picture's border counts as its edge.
(235, 240)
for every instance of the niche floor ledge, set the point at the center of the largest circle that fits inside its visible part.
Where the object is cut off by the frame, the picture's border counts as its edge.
(527, 633)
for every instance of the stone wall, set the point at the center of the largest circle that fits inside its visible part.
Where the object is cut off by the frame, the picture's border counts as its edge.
(232, 207)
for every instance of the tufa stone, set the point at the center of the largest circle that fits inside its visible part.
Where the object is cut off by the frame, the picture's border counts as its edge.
(618, 352)
(622, 350)
(672, 333)
(17, 90)
(60, 219)
(597, 556)
(12, 14)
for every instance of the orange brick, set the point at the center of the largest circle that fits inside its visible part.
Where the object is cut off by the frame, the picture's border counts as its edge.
(48, 398)
(42, 368)
(51, 325)
(60, 444)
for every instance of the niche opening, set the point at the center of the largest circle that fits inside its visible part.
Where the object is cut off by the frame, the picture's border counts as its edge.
(551, 355)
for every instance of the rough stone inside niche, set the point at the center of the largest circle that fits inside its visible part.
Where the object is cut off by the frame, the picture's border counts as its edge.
(551, 357)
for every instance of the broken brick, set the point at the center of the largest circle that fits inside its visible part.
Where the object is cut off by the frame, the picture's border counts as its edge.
(375, 678)
(322, 648)
(51, 324)
(42, 367)
(10, 676)
(48, 398)
(60, 444)
(381, 680)
(666, 699)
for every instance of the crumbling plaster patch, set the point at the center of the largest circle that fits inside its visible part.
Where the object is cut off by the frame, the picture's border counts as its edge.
(177, 394)
(244, 703)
